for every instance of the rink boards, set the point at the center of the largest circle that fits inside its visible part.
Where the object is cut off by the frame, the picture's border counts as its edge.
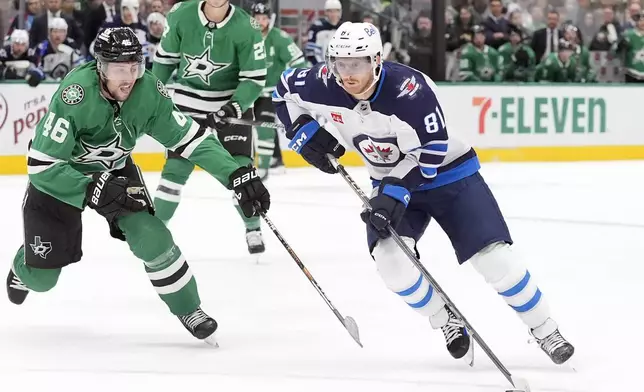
(540, 122)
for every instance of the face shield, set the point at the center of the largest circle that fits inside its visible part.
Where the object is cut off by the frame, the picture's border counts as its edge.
(350, 66)
(121, 71)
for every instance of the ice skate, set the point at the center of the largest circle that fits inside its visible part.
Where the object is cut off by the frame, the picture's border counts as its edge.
(456, 337)
(16, 290)
(277, 166)
(254, 241)
(552, 343)
(200, 325)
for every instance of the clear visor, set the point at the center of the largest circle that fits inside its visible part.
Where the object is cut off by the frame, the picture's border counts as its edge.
(122, 71)
(347, 66)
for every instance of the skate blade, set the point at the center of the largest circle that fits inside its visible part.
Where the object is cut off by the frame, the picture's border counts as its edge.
(520, 385)
(212, 341)
(469, 355)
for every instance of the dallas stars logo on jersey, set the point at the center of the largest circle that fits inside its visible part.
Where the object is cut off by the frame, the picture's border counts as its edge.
(201, 66)
(109, 155)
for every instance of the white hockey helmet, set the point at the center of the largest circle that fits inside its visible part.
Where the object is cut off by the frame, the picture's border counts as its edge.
(356, 40)
(332, 5)
(19, 37)
(156, 17)
(133, 7)
(58, 24)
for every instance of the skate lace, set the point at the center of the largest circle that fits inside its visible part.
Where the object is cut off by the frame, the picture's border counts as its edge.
(254, 238)
(452, 330)
(552, 342)
(17, 284)
(194, 319)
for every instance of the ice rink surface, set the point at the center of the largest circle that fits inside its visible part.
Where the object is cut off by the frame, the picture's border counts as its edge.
(579, 226)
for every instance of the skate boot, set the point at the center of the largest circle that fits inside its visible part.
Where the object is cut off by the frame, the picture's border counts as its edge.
(254, 241)
(456, 337)
(200, 325)
(552, 343)
(16, 290)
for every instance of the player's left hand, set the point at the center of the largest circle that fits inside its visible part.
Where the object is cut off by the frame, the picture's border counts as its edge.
(249, 191)
(388, 206)
(217, 120)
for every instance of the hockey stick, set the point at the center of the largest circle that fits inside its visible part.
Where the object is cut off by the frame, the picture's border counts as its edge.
(348, 322)
(253, 123)
(515, 381)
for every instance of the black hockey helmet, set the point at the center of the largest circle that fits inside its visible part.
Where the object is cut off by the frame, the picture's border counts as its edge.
(478, 29)
(118, 45)
(261, 9)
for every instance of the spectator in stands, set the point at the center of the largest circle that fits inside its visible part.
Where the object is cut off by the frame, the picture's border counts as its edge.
(538, 21)
(17, 60)
(480, 11)
(69, 10)
(156, 6)
(41, 25)
(546, 40)
(57, 55)
(106, 12)
(633, 10)
(479, 62)
(32, 10)
(420, 46)
(156, 23)
(460, 32)
(587, 27)
(368, 18)
(609, 32)
(496, 27)
(129, 17)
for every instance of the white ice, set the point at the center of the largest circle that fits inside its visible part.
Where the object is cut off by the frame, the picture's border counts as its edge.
(580, 227)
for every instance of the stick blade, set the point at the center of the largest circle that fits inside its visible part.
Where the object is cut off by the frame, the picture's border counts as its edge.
(352, 327)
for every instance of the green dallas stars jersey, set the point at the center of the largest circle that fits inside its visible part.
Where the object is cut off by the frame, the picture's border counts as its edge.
(85, 133)
(632, 44)
(217, 62)
(551, 69)
(479, 65)
(281, 53)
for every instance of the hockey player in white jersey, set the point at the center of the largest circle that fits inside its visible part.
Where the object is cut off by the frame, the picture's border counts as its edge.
(390, 113)
(321, 32)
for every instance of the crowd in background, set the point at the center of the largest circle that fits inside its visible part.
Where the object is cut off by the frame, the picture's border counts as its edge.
(487, 40)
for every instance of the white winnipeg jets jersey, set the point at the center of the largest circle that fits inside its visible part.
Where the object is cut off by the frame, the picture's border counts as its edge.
(400, 131)
(320, 33)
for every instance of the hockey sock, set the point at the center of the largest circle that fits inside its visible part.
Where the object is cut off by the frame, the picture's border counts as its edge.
(265, 148)
(174, 176)
(253, 222)
(36, 279)
(167, 269)
(277, 152)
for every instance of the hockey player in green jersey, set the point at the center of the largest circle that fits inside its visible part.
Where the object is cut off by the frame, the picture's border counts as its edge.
(559, 67)
(585, 72)
(518, 59)
(631, 47)
(218, 53)
(80, 157)
(281, 53)
(479, 62)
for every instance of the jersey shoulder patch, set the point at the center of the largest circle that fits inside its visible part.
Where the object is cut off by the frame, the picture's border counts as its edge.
(162, 90)
(73, 94)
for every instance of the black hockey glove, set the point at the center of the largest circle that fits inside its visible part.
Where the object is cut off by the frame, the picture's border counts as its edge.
(249, 191)
(388, 206)
(314, 142)
(115, 197)
(217, 120)
(34, 76)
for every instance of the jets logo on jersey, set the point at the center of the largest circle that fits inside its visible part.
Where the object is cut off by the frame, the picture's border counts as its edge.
(73, 95)
(109, 155)
(162, 90)
(202, 67)
(409, 87)
(324, 74)
(40, 248)
(382, 152)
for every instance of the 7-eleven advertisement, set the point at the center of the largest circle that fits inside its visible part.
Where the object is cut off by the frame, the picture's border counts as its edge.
(540, 115)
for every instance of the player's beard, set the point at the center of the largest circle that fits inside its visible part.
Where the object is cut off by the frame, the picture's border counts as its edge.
(120, 90)
(356, 88)
(212, 3)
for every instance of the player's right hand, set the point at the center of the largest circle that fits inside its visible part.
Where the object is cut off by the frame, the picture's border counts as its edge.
(387, 207)
(250, 192)
(115, 197)
(313, 142)
(217, 120)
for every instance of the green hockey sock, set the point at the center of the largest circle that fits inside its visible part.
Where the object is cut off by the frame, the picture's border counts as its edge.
(253, 222)
(167, 269)
(265, 148)
(174, 176)
(36, 279)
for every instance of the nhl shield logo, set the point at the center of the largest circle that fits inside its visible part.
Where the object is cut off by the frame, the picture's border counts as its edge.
(73, 94)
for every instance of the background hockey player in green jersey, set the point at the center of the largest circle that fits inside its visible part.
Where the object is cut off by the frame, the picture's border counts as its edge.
(518, 58)
(631, 46)
(218, 53)
(479, 62)
(281, 53)
(80, 156)
(559, 67)
(585, 72)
